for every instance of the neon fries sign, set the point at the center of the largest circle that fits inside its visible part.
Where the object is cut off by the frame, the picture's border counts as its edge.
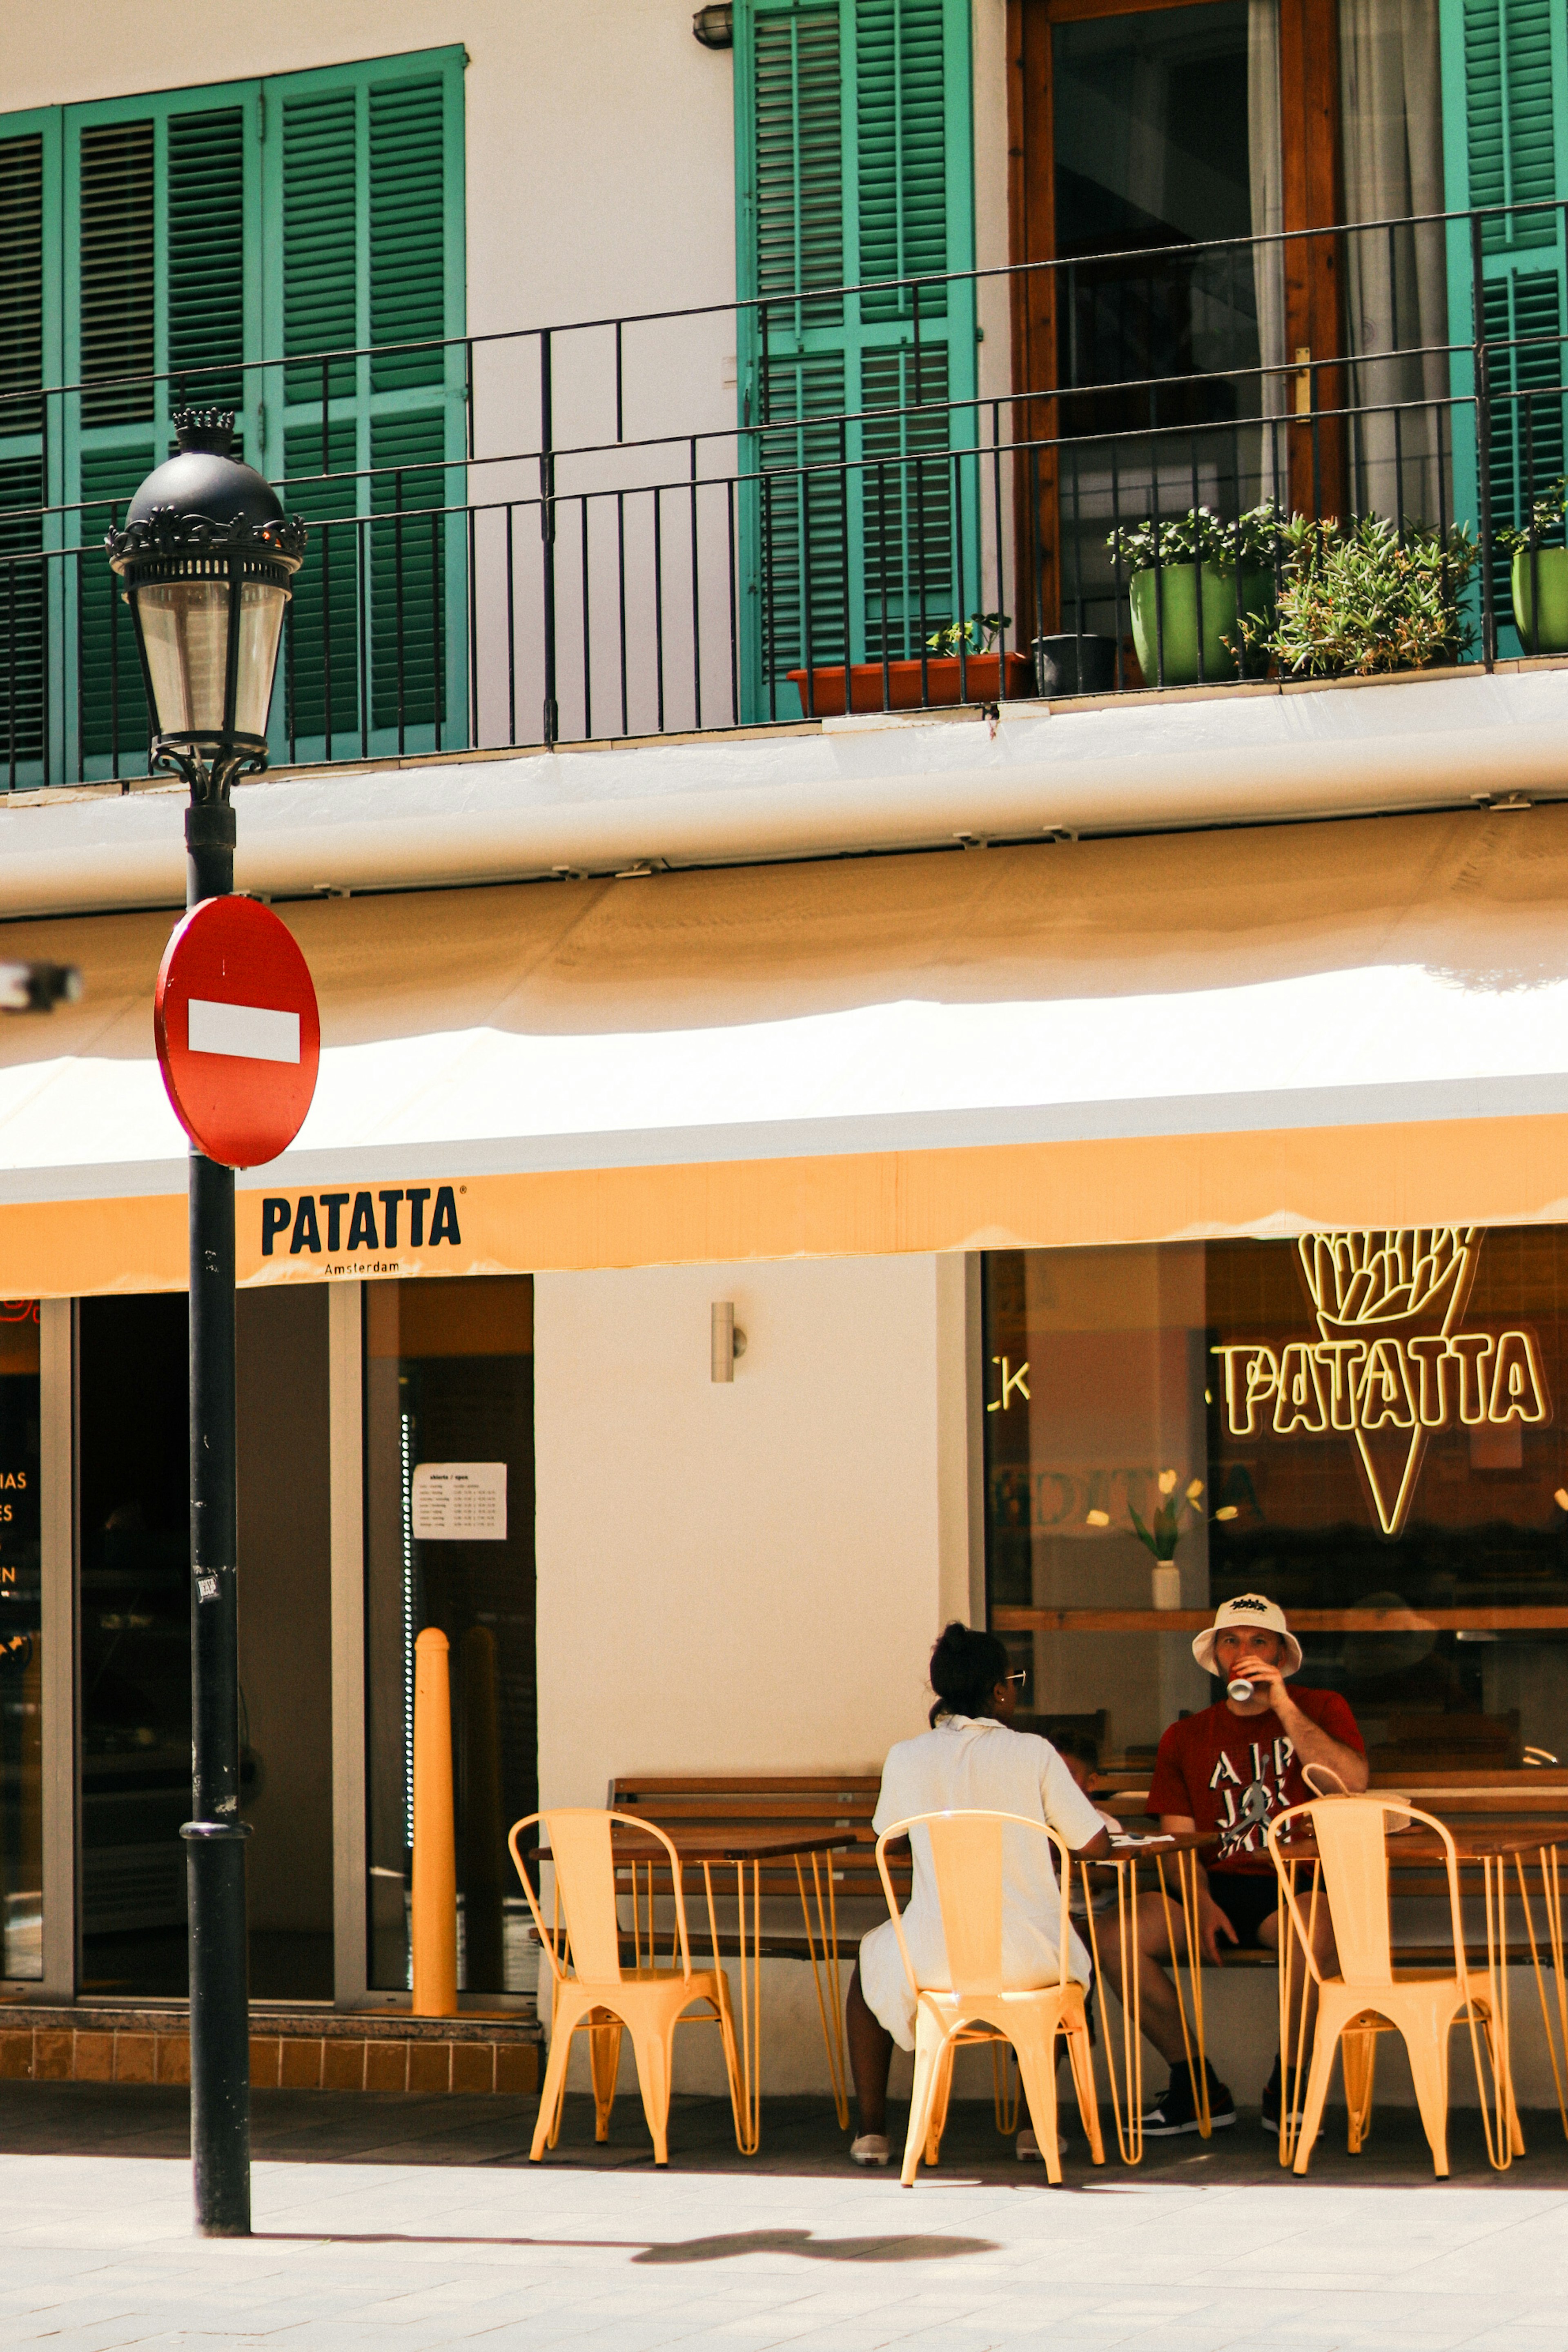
(1390, 1362)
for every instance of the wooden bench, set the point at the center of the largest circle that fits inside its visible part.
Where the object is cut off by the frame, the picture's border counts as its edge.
(774, 1804)
(813, 1802)
(1503, 1794)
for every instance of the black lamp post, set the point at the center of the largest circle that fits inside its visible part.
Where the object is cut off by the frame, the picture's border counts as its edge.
(206, 555)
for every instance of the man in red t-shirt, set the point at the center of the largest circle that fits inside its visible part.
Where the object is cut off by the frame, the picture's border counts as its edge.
(1230, 1769)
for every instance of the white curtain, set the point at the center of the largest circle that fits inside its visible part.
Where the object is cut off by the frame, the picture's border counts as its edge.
(1268, 220)
(1396, 286)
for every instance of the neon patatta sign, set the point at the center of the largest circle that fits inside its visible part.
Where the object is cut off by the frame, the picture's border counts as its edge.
(1393, 1361)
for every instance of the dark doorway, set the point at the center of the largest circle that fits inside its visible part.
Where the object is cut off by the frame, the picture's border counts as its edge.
(135, 1642)
(1174, 364)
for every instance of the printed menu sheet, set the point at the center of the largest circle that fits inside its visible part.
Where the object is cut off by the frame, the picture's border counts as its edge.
(460, 1502)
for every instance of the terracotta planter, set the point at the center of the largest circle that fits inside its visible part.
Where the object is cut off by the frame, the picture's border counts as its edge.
(1550, 577)
(1165, 622)
(982, 682)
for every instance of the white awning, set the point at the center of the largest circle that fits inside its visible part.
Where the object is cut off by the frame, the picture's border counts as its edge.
(1384, 980)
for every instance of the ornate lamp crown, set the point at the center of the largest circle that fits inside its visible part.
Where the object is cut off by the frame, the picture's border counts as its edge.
(204, 502)
(205, 428)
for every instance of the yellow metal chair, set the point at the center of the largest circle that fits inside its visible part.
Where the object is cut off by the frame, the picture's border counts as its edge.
(1368, 1997)
(591, 1992)
(966, 1851)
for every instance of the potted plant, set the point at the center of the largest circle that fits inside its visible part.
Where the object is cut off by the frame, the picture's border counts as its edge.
(1538, 573)
(1160, 1538)
(1191, 563)
(961, 665)
(1362, 597)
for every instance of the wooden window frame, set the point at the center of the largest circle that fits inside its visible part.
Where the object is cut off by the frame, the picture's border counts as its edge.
(1312, 191)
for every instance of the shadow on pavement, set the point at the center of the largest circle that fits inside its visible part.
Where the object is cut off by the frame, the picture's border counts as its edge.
(902, 2247)
(816, 2250)
(800, 2139)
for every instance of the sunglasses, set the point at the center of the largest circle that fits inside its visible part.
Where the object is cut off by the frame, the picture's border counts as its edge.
(1020, 1677)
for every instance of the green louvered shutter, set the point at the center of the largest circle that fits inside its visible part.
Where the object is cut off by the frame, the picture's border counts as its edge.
(205, 173)
(854, 141)
(22, 482)
(369, 190)
(319, 287)
(202, 247)
(1505, 125)
(155, 316)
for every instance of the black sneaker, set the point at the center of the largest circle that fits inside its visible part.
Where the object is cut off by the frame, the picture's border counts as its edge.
(1271, 2097)
(1177, 2111)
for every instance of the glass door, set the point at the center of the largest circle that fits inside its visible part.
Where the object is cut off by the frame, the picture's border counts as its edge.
(1173, 360)
(135, 1642)
(21, 1640)
(448, 1386)
(1159, 143)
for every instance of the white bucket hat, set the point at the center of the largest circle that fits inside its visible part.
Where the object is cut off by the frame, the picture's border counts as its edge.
(1248, 1609)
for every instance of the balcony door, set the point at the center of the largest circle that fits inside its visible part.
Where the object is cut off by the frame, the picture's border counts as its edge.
(1186, 365)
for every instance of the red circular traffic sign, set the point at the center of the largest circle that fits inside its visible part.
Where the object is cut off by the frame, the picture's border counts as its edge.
(240, 1036)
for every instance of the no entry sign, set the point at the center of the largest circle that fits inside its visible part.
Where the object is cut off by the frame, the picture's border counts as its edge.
(239, 1037)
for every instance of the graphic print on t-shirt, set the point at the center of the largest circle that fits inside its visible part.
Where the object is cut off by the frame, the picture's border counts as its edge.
(1244, 1806)
(1233, 1774)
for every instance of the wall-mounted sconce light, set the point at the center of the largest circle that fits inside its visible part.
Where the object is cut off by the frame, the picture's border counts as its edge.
(715, 27)
(728, 1340)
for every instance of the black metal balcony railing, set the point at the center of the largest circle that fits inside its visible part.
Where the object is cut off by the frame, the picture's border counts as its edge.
(537, 537)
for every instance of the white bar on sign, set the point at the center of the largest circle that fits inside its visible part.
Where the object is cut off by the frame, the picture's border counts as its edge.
(253, 1032)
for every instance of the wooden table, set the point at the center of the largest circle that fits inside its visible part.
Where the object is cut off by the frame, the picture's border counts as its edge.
(1494, 1845)
(702, 1848)
(1124, 1860)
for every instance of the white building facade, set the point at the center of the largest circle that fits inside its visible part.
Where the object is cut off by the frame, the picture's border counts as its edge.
(1029, 1032)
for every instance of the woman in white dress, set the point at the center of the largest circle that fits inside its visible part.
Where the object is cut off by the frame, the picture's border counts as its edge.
(970, 1761)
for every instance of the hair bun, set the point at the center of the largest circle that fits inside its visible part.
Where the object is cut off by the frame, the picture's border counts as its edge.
(966, 1668)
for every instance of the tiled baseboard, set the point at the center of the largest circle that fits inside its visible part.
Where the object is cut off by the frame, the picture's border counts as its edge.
(301, 2063)
(340, 2052)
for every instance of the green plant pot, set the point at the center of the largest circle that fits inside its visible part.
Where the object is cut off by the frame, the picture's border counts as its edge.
(1166, 637)
(1550, 577)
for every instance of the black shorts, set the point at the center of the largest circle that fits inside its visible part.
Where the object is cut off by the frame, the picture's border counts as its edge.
(1247, 1898)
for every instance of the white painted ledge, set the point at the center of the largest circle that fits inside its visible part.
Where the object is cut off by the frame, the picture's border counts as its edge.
(1247, 755)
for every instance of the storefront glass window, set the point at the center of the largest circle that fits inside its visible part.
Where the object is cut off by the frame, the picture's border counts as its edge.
(1376, 1421)
(449, 1385)
(21, 1710)
(134, 1647)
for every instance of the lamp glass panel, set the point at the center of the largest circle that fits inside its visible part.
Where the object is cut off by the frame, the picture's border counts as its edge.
(260, 626)
(185, 632)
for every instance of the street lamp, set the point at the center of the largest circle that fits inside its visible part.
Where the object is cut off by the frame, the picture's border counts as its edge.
(206, 555)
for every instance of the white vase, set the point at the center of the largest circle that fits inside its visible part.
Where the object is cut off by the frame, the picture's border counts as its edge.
(1165, 1577)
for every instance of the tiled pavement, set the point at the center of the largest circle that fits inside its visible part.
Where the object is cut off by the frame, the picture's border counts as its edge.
(398, 2224)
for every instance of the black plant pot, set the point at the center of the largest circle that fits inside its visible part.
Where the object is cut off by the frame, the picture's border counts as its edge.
(1069, 664)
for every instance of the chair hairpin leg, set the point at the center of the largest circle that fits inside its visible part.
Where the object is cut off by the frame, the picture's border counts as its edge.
(1198, 2071)
(829, 2006)
(1129, 2130)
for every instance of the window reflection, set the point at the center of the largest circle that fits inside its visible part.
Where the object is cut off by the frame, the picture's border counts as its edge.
(21, 1711)
(449, 1385)
(1380, 1449)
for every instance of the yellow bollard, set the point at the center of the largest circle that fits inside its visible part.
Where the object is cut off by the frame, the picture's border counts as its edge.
(435, 1925)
